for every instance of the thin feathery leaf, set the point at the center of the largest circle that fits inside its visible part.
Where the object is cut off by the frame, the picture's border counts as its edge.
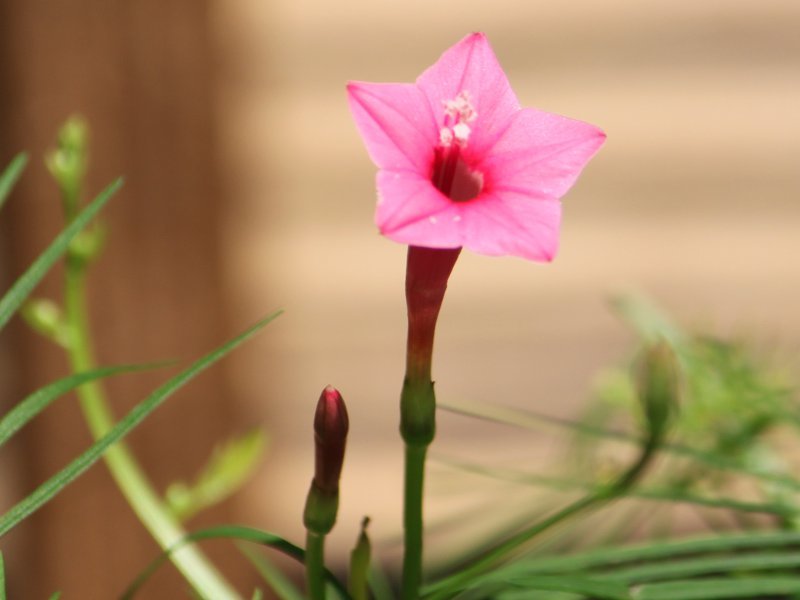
(718, 589)
(644, 493)
(13, 299)
(573, 584)
(713, 565)
(55, 484)
(36, 402)
(9, 177)
(528, 419)
(605, 558)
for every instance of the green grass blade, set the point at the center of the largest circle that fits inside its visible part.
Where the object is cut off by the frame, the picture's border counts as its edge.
(13, 299)
(605, 558)
(2, 578)
(9, 177)
(570, 584)
(232, 532)
(277, 581)
(717, 589)
(33, 404)
(51, 487)
(707, 565)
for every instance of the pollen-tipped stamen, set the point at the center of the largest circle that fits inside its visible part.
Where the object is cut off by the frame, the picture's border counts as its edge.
(451, 174)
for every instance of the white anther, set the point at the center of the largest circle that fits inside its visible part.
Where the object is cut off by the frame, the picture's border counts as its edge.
(445, 137)
(460, 108)
(461, 132)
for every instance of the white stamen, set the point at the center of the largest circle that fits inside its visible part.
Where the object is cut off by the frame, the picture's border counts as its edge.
(445, 137)
(460, 108)
(461, 132)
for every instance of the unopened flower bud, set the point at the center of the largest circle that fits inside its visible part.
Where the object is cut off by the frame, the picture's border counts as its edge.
(67, 163)
(45, 317)
(658, 386)
(330, 437)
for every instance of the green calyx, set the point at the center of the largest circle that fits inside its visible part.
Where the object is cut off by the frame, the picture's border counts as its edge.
(321, 508)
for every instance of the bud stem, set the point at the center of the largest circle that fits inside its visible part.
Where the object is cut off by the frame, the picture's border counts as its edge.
(315, 561)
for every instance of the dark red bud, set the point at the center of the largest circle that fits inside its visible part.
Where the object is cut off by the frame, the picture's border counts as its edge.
(330, 436)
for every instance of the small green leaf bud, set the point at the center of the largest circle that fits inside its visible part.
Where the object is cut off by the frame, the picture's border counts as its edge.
(359, 564)
(45, 317)
(67, 163)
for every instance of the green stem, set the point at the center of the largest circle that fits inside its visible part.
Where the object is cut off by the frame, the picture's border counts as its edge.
(412, 520)
(427, 272)
(315, 565)
(204, 578)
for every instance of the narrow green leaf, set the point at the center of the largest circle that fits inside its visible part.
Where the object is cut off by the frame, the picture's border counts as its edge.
(52, 486)
(14, 298)
(571, 584)
(692, 567)
(9, 177)
(55, 596)
(713, 589)
(605, 558)
(2, 578)
(232, 532)
(32, 405)
(277, 581)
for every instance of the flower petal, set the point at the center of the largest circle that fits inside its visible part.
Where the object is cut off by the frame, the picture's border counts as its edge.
(471, 66)
(396, 124)
(411, 211)
(540, 154)
(512, 224)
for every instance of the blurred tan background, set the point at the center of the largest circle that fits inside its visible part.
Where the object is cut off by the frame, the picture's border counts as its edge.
(248, 189)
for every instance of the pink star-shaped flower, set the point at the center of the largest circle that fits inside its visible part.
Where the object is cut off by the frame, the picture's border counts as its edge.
(462, 164)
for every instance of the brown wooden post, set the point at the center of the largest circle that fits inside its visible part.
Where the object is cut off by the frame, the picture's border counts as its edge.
(140, 73)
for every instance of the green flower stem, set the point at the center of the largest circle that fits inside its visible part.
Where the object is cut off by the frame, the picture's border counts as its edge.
(427, 273)
(315, 565)
(412, 520)
(204, 578)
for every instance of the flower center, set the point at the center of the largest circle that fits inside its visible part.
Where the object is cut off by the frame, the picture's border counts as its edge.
(451, 174)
